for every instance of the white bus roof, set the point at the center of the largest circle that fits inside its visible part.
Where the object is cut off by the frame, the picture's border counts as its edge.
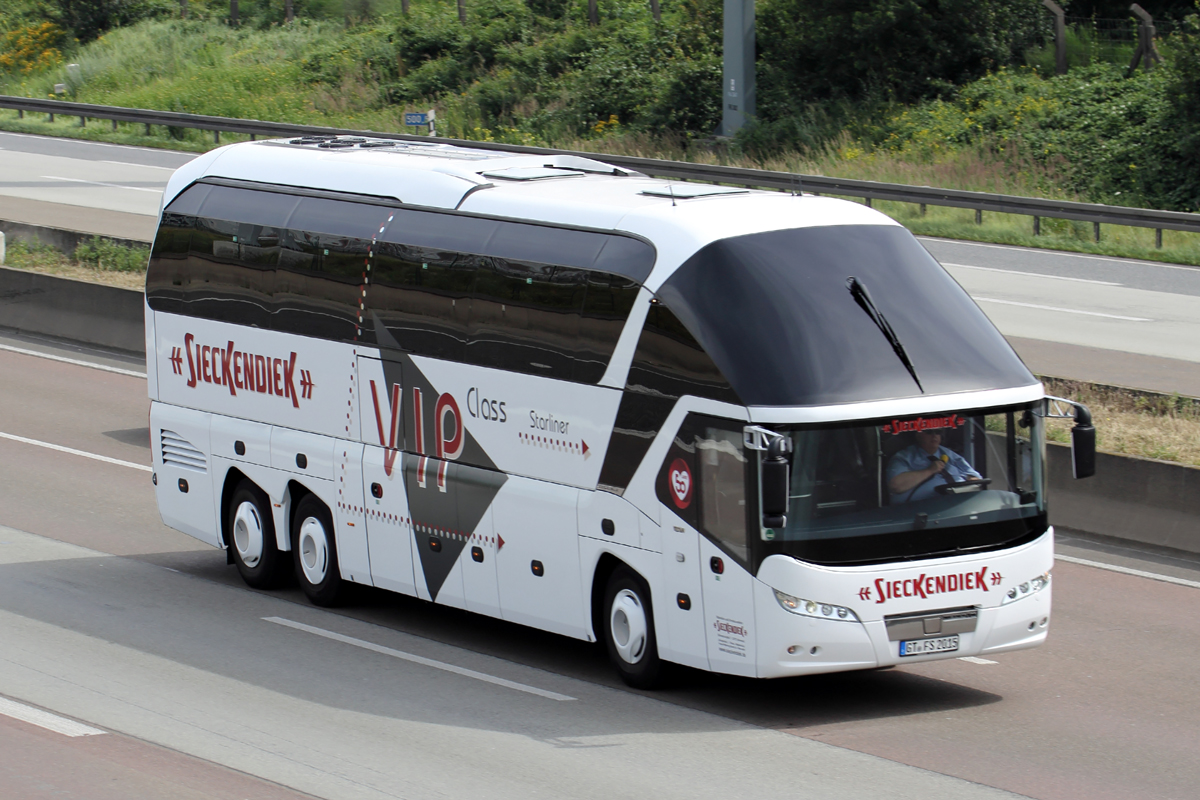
(564, 190)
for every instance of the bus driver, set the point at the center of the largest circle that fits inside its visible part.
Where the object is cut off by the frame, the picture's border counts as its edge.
(913, 472)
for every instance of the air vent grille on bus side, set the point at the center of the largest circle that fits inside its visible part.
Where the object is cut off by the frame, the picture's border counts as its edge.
(179, 451)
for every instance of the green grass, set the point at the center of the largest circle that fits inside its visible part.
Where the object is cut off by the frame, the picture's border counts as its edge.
(320, 72)
(95, 254)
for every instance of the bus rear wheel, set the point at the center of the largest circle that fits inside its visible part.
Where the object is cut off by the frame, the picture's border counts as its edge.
(252, 538)
(315, 553)
(629, 630)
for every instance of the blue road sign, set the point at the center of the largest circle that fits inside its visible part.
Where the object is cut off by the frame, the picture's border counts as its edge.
(415, 119)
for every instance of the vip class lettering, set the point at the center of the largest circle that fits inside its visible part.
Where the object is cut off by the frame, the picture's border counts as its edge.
(481, 407)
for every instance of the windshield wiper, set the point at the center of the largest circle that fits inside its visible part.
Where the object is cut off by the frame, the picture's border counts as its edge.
(859, 292)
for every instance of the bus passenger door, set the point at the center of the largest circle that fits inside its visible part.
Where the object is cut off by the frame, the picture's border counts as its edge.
(388, 518)
(477, 488)
(721, 512)
(438, 539)
(537, 558)
(389, 531)
(679, 616)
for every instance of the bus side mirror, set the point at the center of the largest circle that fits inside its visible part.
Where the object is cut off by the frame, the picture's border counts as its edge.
(775, 485)
(1083, 444)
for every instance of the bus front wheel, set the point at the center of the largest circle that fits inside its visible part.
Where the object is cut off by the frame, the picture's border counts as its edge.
(629, 630)
(316, 553)
(252, 538)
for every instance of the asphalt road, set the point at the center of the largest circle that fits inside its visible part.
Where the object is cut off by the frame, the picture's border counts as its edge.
(110, 620)
(1107, 320)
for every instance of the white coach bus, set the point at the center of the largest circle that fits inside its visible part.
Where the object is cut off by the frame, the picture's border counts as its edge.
(749, 432)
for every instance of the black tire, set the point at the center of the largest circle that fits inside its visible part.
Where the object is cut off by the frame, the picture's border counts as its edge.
(632, 647)
(252, 538)
(314, 547)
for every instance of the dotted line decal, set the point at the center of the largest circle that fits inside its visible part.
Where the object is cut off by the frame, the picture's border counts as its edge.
(545, 442)
(368, 262)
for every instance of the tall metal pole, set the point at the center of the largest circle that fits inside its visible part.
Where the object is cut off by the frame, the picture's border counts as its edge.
(737, 91)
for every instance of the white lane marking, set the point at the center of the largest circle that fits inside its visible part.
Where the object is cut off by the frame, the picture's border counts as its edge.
(1032, 274)
(74, 452)
(1065, 253)
(1063, 310)
(44, 719)
(97, 144)
(1128, 571)
(131, 164)
(428, 662)
(102, 183)
(75, 361)
(975, 660)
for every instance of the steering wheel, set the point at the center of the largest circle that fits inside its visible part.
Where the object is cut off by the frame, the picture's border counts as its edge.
(959, 487)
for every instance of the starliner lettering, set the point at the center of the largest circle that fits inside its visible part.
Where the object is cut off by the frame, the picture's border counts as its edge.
(239, 370)
(925, 586)
(899, 426)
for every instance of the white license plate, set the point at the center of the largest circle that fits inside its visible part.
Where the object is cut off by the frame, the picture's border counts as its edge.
(923, 647)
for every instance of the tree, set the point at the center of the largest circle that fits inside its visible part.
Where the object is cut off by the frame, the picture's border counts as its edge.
(886, 50)
(87, 19)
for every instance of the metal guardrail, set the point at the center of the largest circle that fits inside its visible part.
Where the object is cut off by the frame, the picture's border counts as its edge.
(1037, 208)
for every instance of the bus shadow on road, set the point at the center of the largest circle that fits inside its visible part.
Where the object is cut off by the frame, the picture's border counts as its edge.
(785, 703)
(818, 700)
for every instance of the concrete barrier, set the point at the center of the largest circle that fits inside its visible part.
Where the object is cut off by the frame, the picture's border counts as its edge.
(1130, 499)
(59, 238)
(69, 309)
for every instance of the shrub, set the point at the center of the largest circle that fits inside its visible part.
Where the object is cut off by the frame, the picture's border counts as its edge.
(32, 49)
(105, 254)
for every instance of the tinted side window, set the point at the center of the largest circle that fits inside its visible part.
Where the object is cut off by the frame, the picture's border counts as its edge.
(721, 486)
(671, 363)
(230, 273)
(422, 298)
(525, 317)
(606, 308)
(168, 263)
(318, 287)
(704, 479)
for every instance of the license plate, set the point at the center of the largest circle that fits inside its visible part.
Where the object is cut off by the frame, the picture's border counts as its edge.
(923, 647)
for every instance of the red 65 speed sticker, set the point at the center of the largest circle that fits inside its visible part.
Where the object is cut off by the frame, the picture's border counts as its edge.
(680, 481)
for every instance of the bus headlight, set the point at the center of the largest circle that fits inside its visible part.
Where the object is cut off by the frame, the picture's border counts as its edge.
(811, 608)
(1026, 588)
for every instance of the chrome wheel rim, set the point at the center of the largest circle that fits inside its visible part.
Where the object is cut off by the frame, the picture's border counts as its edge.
(248, 534)
(314, 551)
(628, 627)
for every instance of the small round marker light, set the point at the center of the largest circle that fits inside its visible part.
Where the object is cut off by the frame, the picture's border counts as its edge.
(1025, 588)
(810, 607)
(843, 613)
(827, 610)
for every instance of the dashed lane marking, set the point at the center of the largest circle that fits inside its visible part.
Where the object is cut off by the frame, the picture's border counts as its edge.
(415, 659)
(976, 660)
(102, 183)
(1128, 571)
(77, 362)
(1063, 310)
(1032, 274)
(74, 452)
(44, 719)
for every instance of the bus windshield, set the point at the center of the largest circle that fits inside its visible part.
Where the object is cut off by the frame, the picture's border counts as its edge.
(914, 487)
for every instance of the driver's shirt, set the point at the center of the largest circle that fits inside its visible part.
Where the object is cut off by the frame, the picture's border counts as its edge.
(914, 458)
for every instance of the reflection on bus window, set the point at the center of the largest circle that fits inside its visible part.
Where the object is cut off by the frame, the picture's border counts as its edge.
(722, 491)
(954, 482)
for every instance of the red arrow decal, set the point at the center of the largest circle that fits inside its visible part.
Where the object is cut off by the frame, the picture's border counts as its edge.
(585, 447)
(499, 542)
